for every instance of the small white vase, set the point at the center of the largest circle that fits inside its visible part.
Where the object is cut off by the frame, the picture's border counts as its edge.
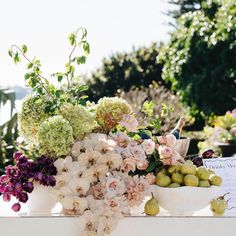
(40, 201)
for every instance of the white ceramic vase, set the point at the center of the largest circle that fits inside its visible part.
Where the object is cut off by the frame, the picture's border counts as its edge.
(40, 201)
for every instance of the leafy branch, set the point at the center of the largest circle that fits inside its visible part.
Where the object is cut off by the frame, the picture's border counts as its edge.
(41, 85)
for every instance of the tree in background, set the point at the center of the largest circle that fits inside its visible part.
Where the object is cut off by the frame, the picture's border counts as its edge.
(123, 71)
(158, 97)
(199, 60)
(183, 6)
(8, 130)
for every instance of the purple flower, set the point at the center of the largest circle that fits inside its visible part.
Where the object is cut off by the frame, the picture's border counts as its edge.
(18, 187)
(11, 170)
(6, 197)
(51, 181)
(23, 197)
(16, 207)
(29, 187)
(17, 155)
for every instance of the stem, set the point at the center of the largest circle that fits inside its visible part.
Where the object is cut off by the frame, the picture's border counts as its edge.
(27, 59)
(71, 53)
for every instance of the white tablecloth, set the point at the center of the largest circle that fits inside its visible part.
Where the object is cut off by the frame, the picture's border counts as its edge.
(201, 224)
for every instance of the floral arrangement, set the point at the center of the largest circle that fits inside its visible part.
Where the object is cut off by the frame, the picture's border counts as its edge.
(96, 157)
(223, 131)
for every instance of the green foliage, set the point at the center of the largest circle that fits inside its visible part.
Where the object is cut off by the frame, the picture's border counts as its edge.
(157, 107)
(123, 71)
(70, 89)
(200, 59)
(181, 7)
(8, 130)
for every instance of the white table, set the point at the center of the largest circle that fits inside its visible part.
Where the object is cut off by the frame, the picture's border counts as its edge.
(201, 224)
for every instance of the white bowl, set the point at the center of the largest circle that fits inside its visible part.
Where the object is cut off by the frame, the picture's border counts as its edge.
(184, 200)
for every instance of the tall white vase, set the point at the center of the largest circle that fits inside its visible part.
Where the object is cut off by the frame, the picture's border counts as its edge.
(40, 201)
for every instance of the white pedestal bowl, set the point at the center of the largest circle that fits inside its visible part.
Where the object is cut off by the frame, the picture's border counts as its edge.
(184, 200)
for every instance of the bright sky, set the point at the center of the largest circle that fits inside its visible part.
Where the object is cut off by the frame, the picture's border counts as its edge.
(43, 25)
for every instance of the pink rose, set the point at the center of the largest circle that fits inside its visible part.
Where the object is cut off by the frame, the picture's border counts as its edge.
(130, 123)
(129, 165)
(162, 139)
(121, 139)
(151, 178)
(170, 140)
(165, 151)
(148, 146)
(136, 151)
(97, 191)
(142, 165)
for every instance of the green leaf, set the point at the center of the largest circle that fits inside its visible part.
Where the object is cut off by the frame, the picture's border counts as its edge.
(81, 60)
(30, 65)
(10, 53)
(72, 39)
(84, 33)
(58, 93)
(16, 58)
(148, 108)
(82, 88)
(86, 48)
(151, 167)
(24, 48)
(27, 76)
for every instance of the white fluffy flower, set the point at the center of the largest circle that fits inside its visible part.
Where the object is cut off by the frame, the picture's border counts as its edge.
(148, 146)
(67, 165)
(106, 225)
(89, 158)
(59, 194)
(104, 146)
(74, 203)
(95, 172)
(89, 221)
(75, 151)
(79, 186)
(111, 160)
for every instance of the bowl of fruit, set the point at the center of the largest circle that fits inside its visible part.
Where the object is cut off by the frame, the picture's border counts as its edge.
(186, 188)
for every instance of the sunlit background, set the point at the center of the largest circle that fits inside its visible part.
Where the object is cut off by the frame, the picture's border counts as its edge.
(44, 26)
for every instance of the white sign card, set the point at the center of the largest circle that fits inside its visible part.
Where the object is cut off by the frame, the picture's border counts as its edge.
(225, 167)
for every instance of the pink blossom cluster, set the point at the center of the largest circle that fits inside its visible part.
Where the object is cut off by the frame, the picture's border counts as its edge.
(166, 150)
(134, 153)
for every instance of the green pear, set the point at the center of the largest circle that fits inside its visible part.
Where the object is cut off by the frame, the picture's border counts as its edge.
(203, 173)
(163, 171)
(211, 171)
(204, 183)
(188, 168)
(163, 180)
(215, 180)
(174, 185)
(174, 168)
(177, 178)
(151, 207)
(191, 180)
(218, 206)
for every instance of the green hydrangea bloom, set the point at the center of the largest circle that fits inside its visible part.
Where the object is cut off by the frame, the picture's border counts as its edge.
(81, 120)
(30, 117)
(110, 111)
(55, 137)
